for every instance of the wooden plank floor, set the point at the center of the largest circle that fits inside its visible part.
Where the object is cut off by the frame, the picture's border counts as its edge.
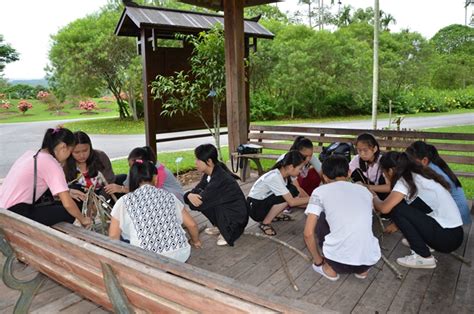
(255, 261)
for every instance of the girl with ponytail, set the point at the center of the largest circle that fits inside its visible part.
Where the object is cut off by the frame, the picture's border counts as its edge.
(274, 191)
(422, 207)
(218, 197)
(36, 174)
(151, 218)
(428, 156)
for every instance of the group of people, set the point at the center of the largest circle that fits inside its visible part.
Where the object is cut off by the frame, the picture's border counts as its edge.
(415, 189)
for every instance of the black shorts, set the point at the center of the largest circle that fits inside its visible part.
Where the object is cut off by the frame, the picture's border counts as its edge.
(258, 209)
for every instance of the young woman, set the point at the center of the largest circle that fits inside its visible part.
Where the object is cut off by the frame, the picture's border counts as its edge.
(151, 218)
(341, 213)
(87, 167)
(365, 166)
(422, 207)
(309, 177)
(274, 191)
(34, 173)
(218, 197)
(428, 156)
(165, 178)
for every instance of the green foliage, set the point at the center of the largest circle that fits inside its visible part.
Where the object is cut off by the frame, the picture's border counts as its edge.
(23, 91)
(7, 54)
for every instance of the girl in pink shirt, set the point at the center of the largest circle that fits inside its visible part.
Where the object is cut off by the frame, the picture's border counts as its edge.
(19, 193)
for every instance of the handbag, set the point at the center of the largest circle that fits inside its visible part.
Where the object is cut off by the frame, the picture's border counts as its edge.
(47, 199)
(244, 149)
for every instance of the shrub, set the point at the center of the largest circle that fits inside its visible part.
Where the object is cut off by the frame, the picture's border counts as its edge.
(87, 105)
(24, 106)
(5, 106)
(262, 107)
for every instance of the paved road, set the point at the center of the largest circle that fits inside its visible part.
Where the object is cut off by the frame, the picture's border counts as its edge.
(15, 138)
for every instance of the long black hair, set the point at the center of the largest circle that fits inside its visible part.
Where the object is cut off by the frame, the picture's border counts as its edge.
(53, 137)
(369, 140)
(205, 152)
(420, 150)
(404, 166)
(141, 171)
(292, 158)
(94, 165)
(143, 153)
(301, 142)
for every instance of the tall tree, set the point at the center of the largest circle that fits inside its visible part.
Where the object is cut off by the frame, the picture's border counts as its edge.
(86, 57)
(7, 54)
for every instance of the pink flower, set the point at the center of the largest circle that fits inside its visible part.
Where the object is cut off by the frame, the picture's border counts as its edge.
(42, 95)
(87, 105)
(6, 106)
(23, 106)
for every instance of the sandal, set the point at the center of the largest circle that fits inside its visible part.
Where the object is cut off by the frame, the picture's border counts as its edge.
(282, 217)
(267, 229)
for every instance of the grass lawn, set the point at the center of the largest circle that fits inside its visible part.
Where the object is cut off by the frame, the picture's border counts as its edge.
(40, 112)
(187, 164)
(128, 126)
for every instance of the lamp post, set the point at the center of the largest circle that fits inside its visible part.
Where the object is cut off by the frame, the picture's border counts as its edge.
(468, 3)
(375, 82)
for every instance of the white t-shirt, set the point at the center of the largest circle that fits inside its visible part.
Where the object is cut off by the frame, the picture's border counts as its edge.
(445, 210)
(270, 183)
(348, 208)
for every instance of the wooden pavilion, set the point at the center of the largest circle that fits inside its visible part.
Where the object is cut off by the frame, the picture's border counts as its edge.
(151, 24)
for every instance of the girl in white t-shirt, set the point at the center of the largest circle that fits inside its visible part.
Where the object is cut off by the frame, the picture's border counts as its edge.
(423, 209)
(273, 192)
(151, 218)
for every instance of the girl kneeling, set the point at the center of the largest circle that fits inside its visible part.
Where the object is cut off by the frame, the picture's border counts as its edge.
(151, 218)
(423, 209)
(274, 191)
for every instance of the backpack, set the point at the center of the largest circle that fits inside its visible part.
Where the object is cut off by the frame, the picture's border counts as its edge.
(337, 148)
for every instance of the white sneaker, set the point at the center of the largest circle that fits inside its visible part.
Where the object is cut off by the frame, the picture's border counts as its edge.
(416, 261)
(360, 276)
(221, 241)
(212, 231)
(406, 243)
(287, 210)
(319, 270)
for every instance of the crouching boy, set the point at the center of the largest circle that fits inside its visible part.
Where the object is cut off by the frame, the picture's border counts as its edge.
(341, 213)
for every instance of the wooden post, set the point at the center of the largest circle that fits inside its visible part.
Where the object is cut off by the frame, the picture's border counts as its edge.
(149, 109)
(235, 73)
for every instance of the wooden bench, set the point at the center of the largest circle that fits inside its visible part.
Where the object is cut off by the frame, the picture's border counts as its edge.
(280, 138)
(122, 277)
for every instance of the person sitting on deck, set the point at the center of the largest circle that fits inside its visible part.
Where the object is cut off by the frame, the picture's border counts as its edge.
(151, 218)
(37, 174)
(428, 156)
(218, 197)
(165, 178)
(309, 177)
(87, 167)
(274, 191)
(423, 209)
(341, 213)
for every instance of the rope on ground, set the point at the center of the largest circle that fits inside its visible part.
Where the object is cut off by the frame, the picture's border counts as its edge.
(392, 267)
(461, 258)
(259, 235)
(286, 269)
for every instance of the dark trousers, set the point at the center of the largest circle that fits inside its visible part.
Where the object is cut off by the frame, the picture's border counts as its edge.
(258, 209)
(422, 230)
(322, 230)
(46, 215)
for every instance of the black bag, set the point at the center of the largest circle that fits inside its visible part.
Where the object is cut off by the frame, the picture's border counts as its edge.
(337, 148)
(47, 199)
(244, 149)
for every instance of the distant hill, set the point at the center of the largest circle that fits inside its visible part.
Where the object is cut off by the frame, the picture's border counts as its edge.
(33, 82)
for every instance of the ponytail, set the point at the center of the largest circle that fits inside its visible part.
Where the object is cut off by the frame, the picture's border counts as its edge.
(301, 142)
(403, 166)
(56, 136)
(292, 158)
(141, 172)
(144, 153)
(205, 152)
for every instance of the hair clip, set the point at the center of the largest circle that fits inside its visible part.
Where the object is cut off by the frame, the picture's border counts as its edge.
(56, 130)
(139, 161)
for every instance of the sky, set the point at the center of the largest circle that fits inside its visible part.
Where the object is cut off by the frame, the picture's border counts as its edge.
(28, 24)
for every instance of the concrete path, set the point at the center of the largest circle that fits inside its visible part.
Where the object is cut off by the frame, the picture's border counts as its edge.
(16, 138)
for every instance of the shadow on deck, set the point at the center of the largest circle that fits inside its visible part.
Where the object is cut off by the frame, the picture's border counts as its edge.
(256, 261)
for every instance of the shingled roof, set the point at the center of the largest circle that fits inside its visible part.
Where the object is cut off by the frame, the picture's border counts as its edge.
(169, 22)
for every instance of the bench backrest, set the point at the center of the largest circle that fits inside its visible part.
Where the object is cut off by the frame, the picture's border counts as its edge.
(280, 138)
(73, 257)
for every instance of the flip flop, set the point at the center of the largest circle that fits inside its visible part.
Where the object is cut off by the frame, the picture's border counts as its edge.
(282, 217)
(267, 229)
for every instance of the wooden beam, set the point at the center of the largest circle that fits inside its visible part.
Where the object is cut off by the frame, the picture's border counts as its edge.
(235, 73)
(219, 4)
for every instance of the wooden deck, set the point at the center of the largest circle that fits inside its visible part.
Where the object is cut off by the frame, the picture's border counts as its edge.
(255, 261)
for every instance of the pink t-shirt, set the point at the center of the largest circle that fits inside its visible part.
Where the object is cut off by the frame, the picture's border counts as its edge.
(18, 184)
(373, 172)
